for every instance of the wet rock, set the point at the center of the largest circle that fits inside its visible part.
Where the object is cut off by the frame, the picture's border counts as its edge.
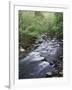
(48, 74)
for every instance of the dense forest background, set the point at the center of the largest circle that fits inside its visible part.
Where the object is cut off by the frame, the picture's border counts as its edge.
(32, 24)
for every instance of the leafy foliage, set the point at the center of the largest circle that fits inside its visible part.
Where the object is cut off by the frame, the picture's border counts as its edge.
(32, 24)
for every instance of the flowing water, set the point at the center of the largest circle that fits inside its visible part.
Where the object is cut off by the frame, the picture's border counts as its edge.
(38, 62)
